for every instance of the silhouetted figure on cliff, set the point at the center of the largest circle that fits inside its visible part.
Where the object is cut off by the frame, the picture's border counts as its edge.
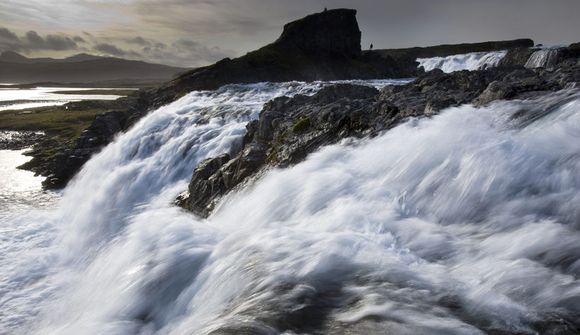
(371, 47)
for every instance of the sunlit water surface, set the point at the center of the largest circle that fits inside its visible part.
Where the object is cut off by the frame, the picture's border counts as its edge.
(18, 99)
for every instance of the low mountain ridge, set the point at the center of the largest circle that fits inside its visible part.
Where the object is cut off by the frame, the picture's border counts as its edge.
(81, 68)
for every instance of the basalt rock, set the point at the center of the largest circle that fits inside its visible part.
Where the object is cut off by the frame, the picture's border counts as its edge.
(288, 130)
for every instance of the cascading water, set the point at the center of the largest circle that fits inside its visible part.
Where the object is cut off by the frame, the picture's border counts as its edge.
(471, 61)
(145, 167)
(464, 223)
(543, 58)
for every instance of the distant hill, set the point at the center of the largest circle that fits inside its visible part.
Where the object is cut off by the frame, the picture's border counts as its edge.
(81, 68)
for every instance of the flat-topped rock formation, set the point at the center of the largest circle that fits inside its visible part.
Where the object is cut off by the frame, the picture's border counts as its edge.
(321, 46)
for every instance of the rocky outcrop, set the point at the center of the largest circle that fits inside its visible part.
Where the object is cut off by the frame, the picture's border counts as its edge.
(18, 140)
(517, 56)
(554, 56)
(321, 46)
(330, 33)
(288, 129)
(101, 132)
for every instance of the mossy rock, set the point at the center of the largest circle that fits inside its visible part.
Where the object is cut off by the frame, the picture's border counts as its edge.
(301, 125)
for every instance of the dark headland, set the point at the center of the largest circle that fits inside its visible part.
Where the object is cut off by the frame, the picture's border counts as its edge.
(321, 46)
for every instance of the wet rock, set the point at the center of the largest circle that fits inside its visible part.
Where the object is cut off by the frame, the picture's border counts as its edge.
(276, 140)
(17, 140)
(67, 162)
(517, 56)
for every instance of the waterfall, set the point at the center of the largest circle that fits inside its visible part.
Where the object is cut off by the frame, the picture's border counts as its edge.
(471, 61)
(543, 58)
(138, 174)
(463, 223)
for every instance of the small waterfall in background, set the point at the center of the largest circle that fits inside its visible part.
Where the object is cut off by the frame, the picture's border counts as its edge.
(470, 61)
(546, 57)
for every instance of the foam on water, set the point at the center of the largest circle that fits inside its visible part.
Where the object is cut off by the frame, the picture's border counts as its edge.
(459, 224)
(149, 164)
(471, 61)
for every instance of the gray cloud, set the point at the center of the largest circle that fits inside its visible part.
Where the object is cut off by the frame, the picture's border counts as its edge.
(109, 49)
(7, 35)
(139, 41)
(32, 41)
(182, 52)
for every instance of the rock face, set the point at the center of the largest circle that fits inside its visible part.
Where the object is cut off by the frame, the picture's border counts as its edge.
(521, 56)
(330, 33)
(288, 129)
(517, 56)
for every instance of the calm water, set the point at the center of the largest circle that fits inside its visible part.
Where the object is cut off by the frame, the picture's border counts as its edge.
(17, 99)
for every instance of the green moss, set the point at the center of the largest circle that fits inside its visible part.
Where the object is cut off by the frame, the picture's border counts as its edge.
(301, 125)
(55, 121)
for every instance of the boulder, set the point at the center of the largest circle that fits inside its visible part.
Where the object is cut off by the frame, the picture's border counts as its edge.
(517, 56)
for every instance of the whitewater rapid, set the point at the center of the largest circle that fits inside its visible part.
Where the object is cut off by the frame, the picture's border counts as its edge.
(470, 61)
(463, 223)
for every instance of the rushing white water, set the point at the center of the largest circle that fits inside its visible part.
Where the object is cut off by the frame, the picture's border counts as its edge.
(545, 57)
(459, 224)
(146, 166)
(471, 61)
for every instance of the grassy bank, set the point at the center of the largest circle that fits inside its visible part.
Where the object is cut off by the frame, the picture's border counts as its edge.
(66, 121)
(62, 125)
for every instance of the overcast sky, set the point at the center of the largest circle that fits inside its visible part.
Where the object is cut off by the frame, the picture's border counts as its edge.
(197, 32)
